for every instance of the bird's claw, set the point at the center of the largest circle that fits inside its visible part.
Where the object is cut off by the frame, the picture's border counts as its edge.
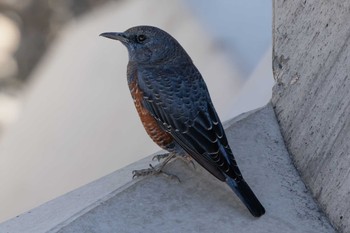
(192, 163)
(144, 172)
(186, 158)
(153, 171)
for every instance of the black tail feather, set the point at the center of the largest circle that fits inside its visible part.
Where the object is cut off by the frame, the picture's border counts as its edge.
(247, 196)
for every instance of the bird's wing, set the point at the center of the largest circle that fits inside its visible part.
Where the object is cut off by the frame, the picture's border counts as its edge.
(179, 100)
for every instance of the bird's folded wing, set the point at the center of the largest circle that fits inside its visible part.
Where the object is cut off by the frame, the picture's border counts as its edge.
(193, 123)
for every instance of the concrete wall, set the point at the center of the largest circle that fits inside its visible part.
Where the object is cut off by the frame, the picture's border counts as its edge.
(312, 98)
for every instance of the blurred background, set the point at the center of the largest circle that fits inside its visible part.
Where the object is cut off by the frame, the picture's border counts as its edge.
(66, 115)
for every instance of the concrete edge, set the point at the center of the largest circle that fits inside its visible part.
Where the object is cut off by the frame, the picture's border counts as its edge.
(62, 210)
(293, 207)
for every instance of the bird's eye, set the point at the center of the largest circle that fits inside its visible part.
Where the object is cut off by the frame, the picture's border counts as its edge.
(141, 38)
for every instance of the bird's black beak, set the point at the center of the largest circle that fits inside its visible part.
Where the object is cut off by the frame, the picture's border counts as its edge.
(115, 36)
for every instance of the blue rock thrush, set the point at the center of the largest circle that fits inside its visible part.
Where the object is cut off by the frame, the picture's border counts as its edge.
(175, 108)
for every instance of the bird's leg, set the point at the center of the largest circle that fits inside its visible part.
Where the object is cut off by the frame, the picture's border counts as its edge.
(153, 170)
(184, 157)
(160, 157)
(187, 159)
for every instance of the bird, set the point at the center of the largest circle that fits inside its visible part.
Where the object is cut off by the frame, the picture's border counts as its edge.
(175, 107)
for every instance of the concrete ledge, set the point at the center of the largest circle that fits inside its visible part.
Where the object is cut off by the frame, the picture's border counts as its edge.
(72, 204)
(199, 203)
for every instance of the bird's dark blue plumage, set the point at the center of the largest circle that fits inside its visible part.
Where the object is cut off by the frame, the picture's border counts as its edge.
(173, 101)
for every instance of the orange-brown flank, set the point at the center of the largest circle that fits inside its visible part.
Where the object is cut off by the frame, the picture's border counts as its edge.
(157, 134)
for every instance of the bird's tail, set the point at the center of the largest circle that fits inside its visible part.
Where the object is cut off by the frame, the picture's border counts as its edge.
(247, 196)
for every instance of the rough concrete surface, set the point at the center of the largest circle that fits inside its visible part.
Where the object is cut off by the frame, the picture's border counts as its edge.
(200, 203)
(312, 98)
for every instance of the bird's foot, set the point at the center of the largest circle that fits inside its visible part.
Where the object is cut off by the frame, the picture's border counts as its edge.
(155, 170)
(185, 157)
(160, 156)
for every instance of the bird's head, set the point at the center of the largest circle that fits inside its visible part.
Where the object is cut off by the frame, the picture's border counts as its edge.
(147, 44)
